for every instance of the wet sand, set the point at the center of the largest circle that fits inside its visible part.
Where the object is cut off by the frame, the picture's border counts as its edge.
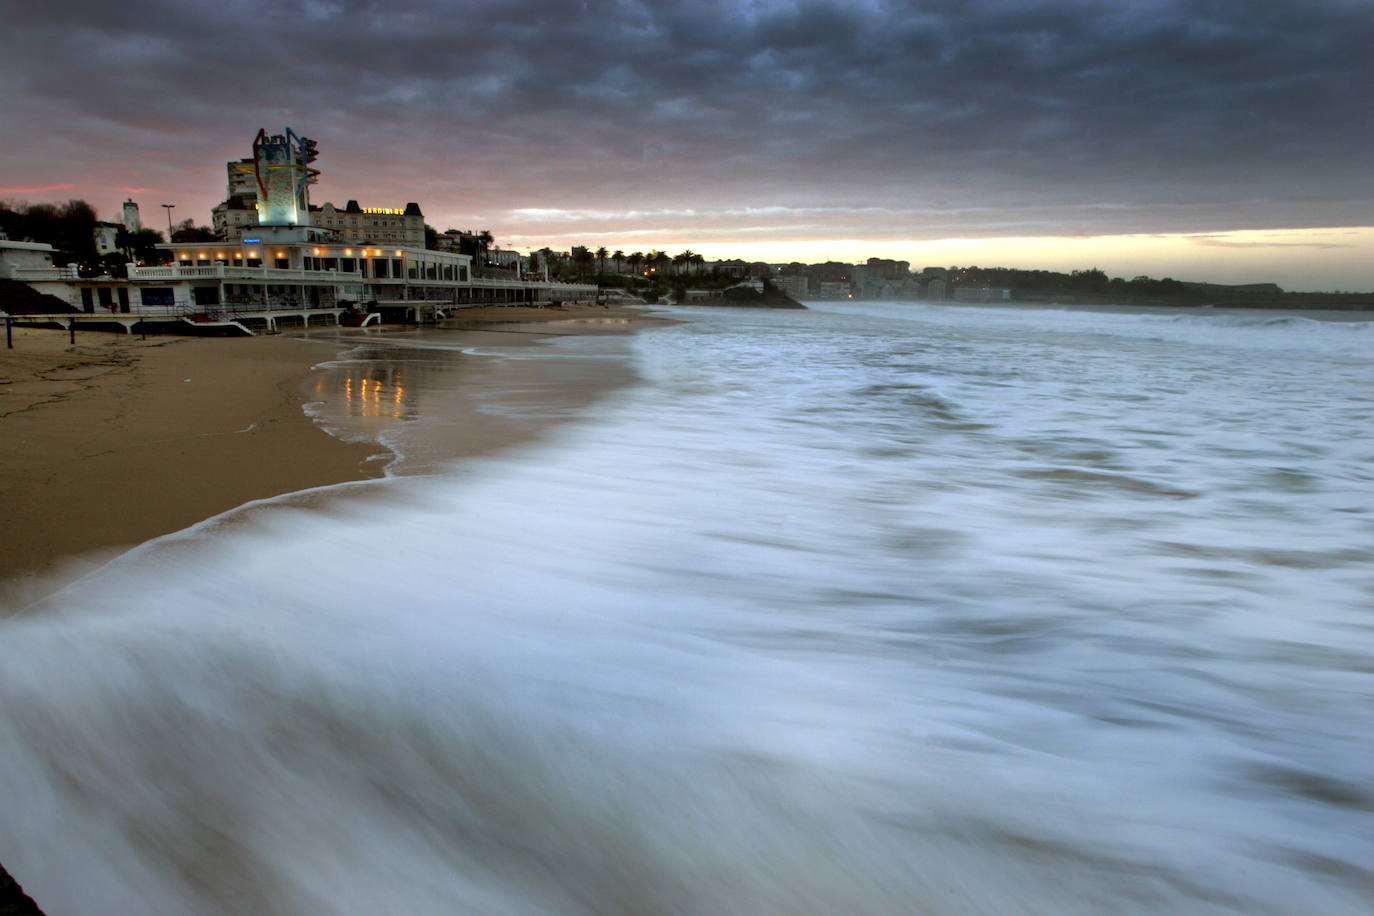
(116, 441)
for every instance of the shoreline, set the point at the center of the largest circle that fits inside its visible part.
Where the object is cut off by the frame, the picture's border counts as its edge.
(117, 441)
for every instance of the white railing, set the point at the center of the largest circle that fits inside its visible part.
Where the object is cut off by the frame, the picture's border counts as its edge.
(537, 284)
(226, 272)
(45, 273)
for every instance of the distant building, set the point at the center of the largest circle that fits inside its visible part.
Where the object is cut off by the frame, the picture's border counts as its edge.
(935, 289)
(796, 287)
(239, 209)
(132, 222)
(106, 237)
(382, 225)
(886, 269)
(981, 294)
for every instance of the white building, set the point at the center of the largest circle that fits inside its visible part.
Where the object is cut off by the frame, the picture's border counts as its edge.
(305, 263)
(26, 260)
(295, 273)
(106, 237)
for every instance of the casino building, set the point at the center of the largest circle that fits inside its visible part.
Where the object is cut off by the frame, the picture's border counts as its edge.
(295, 264)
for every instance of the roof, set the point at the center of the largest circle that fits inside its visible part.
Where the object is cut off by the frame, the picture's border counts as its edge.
(26, 246)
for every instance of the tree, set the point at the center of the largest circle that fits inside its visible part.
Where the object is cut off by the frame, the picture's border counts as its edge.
(636, 261)
(143, 246)
(188, 231)
(601, 255)
(618, 259)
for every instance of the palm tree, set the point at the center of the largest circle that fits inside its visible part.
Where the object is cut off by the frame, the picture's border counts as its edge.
(636, 261)
(618, 259)
(583, 258)
(601, 255)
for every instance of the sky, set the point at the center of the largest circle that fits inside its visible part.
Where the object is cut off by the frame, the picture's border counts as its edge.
(1219, 140)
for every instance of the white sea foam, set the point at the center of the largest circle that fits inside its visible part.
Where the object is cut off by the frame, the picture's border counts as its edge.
(868, 609)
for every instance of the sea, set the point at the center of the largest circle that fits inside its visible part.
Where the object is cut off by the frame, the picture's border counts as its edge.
(873, 608)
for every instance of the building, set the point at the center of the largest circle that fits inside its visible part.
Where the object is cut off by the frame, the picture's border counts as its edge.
(106, 237)
(373, 225)
(794, 286)
(282, 269)
(22, 260)
(981, 294)
(887, 269)
(272, 188)
(132, 222)
(278, 176)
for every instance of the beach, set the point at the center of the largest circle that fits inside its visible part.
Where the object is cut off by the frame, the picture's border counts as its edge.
(117, 440)
(862, 608)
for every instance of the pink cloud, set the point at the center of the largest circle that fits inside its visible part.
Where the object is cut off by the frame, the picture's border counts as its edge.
(38, 190)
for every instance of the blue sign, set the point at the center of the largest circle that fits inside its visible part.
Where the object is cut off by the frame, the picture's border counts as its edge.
(252, 241)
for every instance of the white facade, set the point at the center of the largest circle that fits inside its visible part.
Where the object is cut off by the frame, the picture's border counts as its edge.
(27, 260)
(106, 237)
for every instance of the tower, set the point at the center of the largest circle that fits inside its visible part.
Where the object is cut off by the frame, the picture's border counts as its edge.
(281, 168)
(132, 223)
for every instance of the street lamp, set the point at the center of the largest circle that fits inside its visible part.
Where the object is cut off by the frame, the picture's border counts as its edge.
(168, 208)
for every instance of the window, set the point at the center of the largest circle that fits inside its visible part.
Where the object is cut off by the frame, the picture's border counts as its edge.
(205, 295)
(347, 264)
(281, 263)
(255, 262)
(157, 295)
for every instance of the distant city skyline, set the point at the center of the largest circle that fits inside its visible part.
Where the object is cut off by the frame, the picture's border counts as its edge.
(1217, 142)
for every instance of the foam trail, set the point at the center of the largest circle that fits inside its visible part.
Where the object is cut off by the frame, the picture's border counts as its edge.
(838, 611)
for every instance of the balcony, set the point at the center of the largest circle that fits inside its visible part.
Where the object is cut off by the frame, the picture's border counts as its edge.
(260, 274)
(44, 273)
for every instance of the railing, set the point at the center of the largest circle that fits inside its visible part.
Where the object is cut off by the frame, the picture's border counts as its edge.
(45, 273)
(226, 272)
(536, 284)
(495, 273)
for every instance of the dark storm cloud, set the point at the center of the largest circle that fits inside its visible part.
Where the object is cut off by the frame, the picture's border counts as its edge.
(897, 119)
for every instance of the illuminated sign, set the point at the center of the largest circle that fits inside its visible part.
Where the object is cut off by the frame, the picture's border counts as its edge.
(252, 241)
(384, 211)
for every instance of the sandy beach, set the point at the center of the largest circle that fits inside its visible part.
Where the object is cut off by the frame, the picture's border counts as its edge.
(118, 440)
